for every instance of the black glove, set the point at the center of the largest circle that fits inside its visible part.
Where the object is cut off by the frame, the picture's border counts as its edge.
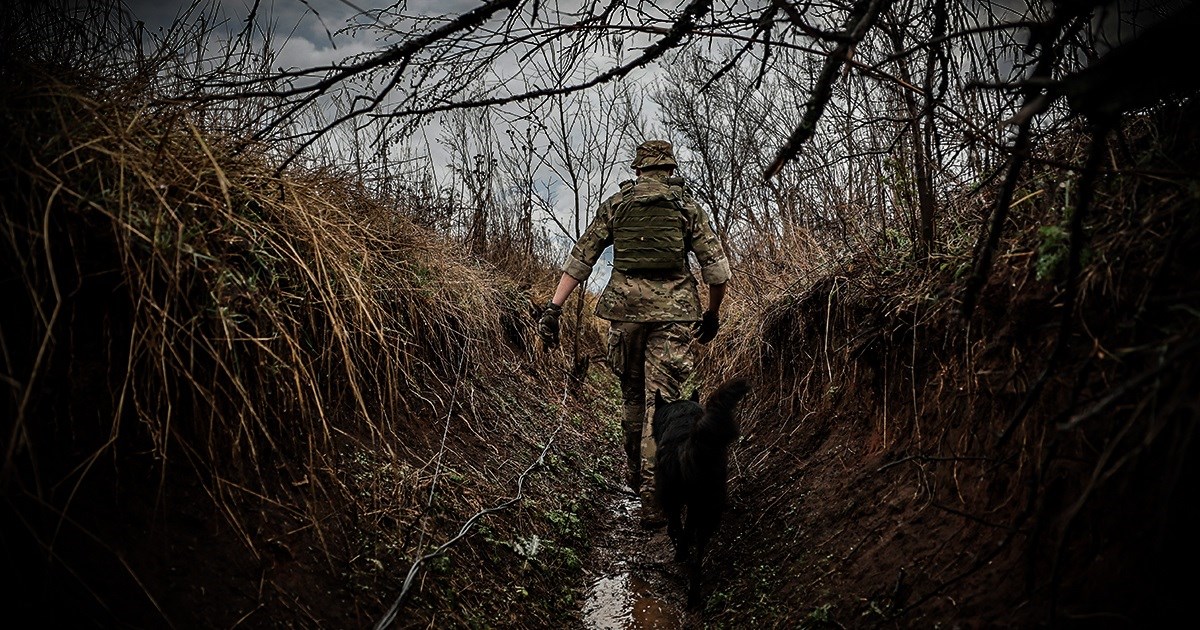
(548, 324)
(705, 329)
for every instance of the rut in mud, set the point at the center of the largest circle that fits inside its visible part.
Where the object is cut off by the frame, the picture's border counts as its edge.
(237, 396)
(633, 580)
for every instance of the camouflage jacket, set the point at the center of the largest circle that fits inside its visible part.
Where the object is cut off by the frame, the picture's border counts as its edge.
(663, 297)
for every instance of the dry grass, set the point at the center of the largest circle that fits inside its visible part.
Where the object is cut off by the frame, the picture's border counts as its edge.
(927, 476)
(339, 389)
(220, 377)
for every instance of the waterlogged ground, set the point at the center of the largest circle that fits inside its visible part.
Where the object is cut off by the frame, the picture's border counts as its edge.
(635, 584)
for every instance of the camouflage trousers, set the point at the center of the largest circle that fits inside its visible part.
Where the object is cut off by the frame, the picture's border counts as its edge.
(647, 356)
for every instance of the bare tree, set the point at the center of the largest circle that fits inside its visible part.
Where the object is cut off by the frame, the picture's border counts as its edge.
(922, 93)
(470, 138)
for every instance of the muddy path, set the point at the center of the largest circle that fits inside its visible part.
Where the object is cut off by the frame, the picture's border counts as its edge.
(634, 582)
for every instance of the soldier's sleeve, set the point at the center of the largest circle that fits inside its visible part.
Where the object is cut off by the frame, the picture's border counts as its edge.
(591, 244)
(714, 266)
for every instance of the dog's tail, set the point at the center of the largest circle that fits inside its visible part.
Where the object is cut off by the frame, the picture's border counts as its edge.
(718, 423)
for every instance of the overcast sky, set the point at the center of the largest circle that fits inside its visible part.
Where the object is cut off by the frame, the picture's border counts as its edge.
(312, 33)
(309, 30)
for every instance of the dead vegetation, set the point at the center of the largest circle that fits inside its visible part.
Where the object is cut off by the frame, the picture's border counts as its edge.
(221, 376)
(906, 467)
(241, 396)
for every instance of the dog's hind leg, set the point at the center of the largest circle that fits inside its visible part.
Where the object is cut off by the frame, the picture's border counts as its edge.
(700, 529)
(675, 529)
(694, 567)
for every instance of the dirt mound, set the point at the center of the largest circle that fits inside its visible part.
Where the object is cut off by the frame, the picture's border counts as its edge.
(242, 398)
(904, 467)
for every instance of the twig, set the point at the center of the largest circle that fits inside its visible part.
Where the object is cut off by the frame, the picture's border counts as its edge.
(19, 434)
(388, 618)
(986, 247)
(1102, 404)
(1087, 185)
(862, 18)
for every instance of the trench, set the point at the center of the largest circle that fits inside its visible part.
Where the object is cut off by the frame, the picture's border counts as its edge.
(634, 582)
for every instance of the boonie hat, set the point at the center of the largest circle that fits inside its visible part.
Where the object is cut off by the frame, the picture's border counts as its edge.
(654, 153)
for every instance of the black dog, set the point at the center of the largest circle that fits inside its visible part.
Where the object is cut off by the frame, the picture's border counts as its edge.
(692, 452)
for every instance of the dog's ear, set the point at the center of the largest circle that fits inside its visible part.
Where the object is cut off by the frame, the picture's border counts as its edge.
(696, 395)
(658, 399)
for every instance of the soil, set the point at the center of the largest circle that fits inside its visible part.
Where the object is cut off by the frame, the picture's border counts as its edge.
(902, 466)
(633, 579)
(899, 466)
(868, 490)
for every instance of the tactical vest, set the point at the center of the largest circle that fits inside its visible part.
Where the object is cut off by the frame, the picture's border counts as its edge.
(648, 227)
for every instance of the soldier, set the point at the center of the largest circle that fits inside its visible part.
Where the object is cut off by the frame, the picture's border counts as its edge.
(651, 300)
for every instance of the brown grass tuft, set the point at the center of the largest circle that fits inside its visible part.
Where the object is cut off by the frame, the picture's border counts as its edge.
(271, 375)
(903, 467)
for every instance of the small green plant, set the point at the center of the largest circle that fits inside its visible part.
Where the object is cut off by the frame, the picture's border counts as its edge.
(528, 548)
(820, 614)
(877, 609)
(962, 270)
(897, 240)
(718, 601)
(570, 558)
(1052, 251)
(439, 564)
(757, 604)
(567, 524)
(612, 430)
(422, 276)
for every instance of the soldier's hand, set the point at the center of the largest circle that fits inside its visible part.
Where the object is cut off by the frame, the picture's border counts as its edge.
(548, 324)
(706, 328)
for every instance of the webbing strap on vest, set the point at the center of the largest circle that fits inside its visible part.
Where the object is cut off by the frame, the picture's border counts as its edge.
(648, 229)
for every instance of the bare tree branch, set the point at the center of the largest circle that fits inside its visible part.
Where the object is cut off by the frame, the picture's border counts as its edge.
(862, 17)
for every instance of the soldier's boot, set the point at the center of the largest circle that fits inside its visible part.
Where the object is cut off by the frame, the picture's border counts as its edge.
(652, 516)
(633, 461)
(631, 425)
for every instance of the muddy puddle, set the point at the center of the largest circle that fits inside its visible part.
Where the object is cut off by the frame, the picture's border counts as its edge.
(634, 582)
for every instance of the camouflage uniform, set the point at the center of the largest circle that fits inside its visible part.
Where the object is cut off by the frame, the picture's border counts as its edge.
(650, 315)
